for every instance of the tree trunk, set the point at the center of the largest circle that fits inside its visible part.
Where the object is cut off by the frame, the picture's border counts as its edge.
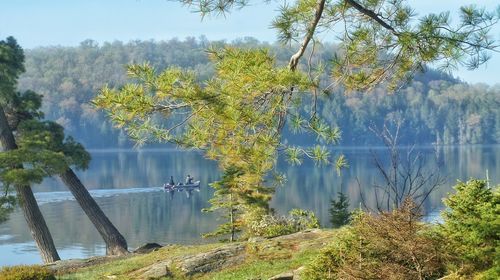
(37, 225)
(27, 201)
(115, 242)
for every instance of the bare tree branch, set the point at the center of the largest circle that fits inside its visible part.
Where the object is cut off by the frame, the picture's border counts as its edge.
(405, 177)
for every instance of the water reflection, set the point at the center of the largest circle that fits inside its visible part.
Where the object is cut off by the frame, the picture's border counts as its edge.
(128, 184)
(188, 190)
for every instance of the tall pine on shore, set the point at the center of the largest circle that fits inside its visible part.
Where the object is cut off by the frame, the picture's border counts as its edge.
(34, 149)
(11, 65)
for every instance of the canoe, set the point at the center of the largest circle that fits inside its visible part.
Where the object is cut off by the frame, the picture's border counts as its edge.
(180, 187)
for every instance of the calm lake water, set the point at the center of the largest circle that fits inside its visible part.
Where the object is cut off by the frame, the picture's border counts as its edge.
(126, 184)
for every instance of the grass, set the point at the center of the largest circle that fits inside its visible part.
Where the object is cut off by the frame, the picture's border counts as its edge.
(264, 259)
(262, 269)
(121, 268)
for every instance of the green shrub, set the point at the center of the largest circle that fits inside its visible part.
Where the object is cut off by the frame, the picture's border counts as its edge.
(396, 245)
(25, 272)
(491, 274)
(328, 264)
(273, 225)
(472, 228)
(339, 211)
(390, 245)
(303, 219)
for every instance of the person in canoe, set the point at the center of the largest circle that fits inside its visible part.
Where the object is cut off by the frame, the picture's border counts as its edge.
(170, 185)
(189, 180)
(180, 186)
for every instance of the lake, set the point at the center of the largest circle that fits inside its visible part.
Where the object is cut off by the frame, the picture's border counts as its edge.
(127, 185)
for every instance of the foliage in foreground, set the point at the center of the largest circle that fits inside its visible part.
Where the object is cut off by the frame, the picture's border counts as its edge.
(391, 245)
(472, 227)
(26, 272)
(397, 245)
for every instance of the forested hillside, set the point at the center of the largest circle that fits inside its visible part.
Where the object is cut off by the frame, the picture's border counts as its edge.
(435, 108)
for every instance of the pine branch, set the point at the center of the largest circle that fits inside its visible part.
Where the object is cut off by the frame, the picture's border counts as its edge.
(372, 15)
(294, 60)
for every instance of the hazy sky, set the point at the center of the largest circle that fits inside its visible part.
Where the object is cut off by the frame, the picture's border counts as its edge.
(37, 23)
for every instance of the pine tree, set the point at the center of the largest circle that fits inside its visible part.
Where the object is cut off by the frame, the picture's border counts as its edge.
(11, 65)
(339, 211)
(40, 149)
(225, 202)
(35, 136)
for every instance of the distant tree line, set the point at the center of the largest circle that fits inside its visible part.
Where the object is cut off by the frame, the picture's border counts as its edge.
(441, 111)
(434, 108)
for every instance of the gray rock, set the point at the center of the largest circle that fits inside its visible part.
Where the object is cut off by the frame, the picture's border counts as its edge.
(147, 248)
(298, 272)
(257, 239)
(213, 260)
(289, 275)
(283, 276)
(154, 271)
(63, 266)
(200, 263)
(301, 235)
